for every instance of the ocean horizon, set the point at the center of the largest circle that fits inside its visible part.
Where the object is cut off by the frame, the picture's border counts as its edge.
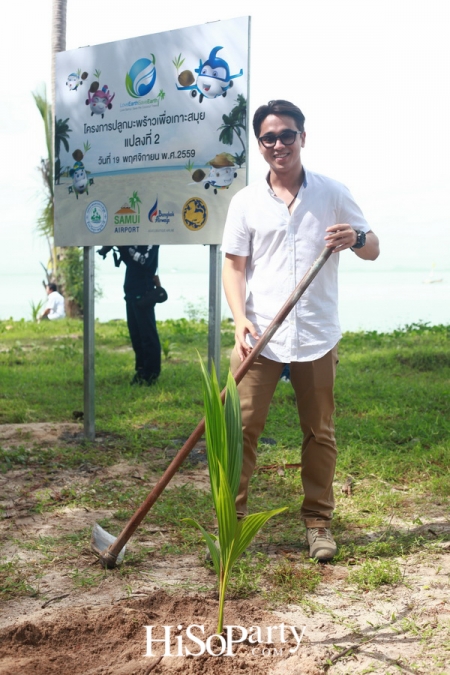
(369, 300)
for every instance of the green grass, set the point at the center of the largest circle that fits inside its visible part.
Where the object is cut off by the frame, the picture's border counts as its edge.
(392, 428)
(374, 573)
(14, 583)
(290, 582)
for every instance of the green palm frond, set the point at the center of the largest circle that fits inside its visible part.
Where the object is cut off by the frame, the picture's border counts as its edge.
(223, 431)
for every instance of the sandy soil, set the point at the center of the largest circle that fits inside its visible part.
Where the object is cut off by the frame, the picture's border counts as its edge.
(66, 628)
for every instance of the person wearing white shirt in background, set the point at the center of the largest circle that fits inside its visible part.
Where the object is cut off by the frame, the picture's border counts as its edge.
(275, 229)
(55, 304)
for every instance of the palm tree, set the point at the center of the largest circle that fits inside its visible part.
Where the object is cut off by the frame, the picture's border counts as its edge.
(59, 17)
(239, 159)
(235, 123)
(70, 261)
(61, 136)
(135, 201)
(46, 219)
(240, 111)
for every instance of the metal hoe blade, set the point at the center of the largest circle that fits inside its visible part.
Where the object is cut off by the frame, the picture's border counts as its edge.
(100, 541)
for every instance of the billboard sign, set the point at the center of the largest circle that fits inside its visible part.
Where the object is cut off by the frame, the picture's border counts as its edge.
(151, 136)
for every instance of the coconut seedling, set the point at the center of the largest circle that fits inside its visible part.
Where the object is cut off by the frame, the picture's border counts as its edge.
(223, 431)
(186, 77)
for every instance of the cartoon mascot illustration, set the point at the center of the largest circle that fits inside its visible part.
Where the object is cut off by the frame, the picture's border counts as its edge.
(80, 180)
(221, 174)
(74, 80)
(99, 100)
(213, 79)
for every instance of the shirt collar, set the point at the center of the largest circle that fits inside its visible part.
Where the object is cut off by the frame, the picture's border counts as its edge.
(304, 184)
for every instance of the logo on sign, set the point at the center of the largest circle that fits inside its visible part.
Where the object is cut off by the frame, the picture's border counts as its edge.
(141, 78)
(96, 217)
(195, 214)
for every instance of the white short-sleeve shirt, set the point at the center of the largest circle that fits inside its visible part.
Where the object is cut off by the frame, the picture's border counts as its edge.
(280, 248)
(55, 304)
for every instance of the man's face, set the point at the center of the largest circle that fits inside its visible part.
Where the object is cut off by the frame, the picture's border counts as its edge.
(282, 158)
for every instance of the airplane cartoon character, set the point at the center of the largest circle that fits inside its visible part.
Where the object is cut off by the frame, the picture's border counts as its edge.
(213, 78)
(99, 100)
(80, 180)
(221, 174)
(74, 80)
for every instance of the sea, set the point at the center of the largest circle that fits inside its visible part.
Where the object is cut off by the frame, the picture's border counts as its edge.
(371, 297)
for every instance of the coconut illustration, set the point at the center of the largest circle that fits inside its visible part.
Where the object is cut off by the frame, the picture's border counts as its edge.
(186, 78)
(198, 175)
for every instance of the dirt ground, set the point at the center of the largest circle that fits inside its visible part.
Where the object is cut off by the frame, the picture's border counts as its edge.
(100, 629)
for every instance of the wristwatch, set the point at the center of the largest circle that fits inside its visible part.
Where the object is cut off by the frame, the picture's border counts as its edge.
(360, 239)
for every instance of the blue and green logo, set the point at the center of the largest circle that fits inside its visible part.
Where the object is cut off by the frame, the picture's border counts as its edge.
(141, 78)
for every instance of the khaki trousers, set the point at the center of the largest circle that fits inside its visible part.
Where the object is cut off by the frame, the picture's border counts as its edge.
(313, 383)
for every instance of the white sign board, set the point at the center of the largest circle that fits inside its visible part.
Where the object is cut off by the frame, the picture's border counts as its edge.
(151, 136)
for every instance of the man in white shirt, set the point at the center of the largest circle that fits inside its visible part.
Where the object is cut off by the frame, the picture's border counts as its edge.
(55, 304)
(275, 229)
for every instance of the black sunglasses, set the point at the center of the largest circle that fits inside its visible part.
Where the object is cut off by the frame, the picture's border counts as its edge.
(287, 137)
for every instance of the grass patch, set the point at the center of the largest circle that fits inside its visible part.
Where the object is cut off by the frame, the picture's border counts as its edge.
(392, 428)
(14, 583)
(374, 573)
(290, 581)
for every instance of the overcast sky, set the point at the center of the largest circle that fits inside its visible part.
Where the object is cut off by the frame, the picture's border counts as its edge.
(371, 78)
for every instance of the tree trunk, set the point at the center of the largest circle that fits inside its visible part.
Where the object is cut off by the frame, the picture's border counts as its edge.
(59, 21)
(59, 16)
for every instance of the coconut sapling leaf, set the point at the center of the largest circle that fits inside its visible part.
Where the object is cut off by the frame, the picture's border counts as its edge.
(233, 425)
(223, 431)
(226, 518)
(248, 528)
(215, 432)
(210, 540)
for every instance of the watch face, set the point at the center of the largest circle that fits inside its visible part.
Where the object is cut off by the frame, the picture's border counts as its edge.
(360, 239)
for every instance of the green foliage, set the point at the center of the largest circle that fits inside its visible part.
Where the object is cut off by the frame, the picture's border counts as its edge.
(292, 581)
(235, 123)
(167, 348)
(239, 159)
(223, 431)
(62, 132)
(45, 220)
(248, 575)
(178, 62)
(71, 270)
(13, 583)
(65, 265)
(374, 573)
(392, 427)
(36, 309)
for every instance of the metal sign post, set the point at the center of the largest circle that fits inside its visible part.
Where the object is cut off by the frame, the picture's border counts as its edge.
(89, 342)
(215, 286)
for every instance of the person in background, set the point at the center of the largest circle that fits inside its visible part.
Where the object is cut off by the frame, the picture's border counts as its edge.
(55, 304)
(275, 229)
(140, 279)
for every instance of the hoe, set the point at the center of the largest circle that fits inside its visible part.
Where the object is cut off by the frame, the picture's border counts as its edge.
(111, 550)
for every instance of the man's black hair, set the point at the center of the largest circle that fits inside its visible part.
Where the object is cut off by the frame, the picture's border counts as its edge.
(53, 287)
(278, 107)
